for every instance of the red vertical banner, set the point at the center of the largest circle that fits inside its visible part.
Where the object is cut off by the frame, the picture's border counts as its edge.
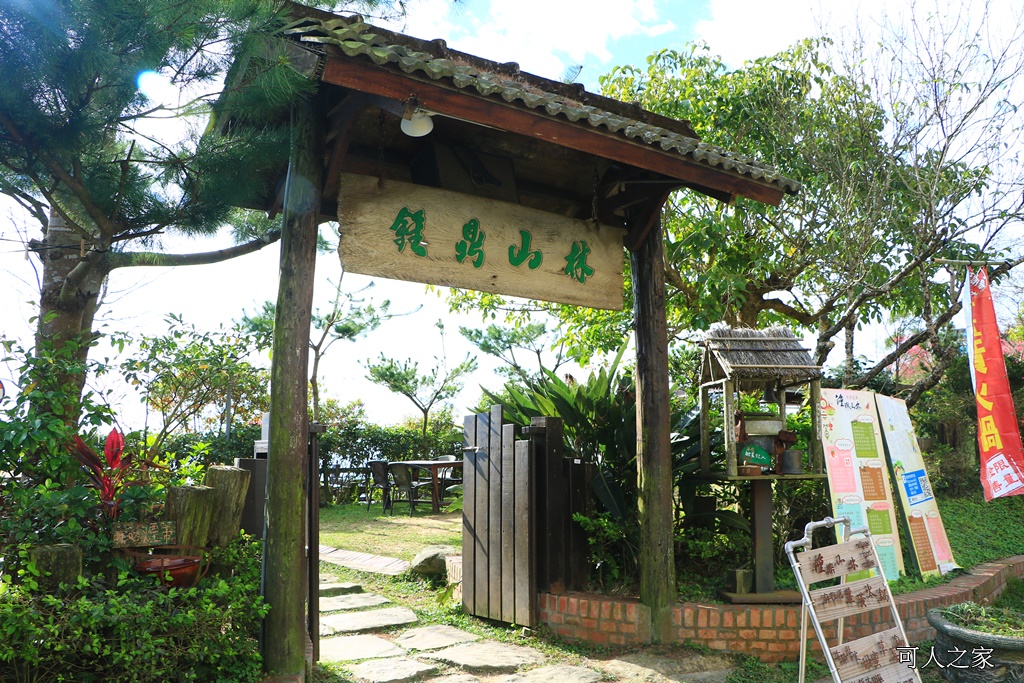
(1002, 456)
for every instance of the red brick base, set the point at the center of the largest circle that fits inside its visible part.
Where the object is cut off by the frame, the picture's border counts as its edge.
(771, 632)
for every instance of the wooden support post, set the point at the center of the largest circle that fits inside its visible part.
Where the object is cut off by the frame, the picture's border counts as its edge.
(729, 427)
(284, 629)
(653, 428)
(816, 456)
(705, 431)
(761, 533)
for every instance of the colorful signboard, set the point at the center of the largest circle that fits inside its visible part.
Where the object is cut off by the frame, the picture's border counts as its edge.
(425, 234)
(1002, 456)
(857, 476)
(927, 532)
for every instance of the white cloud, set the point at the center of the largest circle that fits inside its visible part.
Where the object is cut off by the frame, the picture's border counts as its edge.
(543, 37)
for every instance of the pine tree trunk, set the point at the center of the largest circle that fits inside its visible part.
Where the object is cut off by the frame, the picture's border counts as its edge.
(230, 485)
(62, 321)
(192, 508)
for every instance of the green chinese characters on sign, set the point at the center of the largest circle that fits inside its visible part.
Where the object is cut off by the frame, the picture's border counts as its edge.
(408, 229)
(471, 246)
(576, 265)
(518, 257)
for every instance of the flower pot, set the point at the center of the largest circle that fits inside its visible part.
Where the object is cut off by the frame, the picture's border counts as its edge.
(1005, 664)
(181, 571)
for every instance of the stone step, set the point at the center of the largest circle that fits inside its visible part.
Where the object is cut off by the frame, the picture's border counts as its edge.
(333, 588)
(369, 620)
(393, 670)
(434, 637)
(560, 673)
(340, 603)
(487, 656)
(352, 648)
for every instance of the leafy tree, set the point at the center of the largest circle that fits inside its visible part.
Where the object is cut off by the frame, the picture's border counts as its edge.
(184, 373)
(437, 385)
(501, 341)
(902, 169)
(346, 320)
(81, 146)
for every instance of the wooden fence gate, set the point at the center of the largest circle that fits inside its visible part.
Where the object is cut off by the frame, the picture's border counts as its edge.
(518, 536)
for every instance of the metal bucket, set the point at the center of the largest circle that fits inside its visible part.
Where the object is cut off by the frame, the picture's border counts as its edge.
(792, 462)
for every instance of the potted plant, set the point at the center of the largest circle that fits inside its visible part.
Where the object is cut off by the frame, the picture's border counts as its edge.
(975, 643)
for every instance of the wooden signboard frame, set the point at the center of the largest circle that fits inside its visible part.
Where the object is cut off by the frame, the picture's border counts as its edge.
(865, 660)
(424, 234)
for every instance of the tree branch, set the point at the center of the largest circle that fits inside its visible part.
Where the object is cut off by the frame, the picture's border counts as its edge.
(127, 259)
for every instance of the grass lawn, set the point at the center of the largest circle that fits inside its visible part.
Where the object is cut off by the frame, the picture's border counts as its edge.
(353, 527)
(978, 532)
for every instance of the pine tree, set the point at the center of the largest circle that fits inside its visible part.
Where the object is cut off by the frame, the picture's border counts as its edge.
(86, 153)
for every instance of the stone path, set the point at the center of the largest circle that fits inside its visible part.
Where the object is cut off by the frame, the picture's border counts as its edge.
(363, 561)
(444, 654)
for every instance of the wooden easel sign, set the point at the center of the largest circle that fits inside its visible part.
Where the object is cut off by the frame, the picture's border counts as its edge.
(872, 659)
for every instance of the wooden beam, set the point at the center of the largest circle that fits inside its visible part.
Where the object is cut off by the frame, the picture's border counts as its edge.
(461, 104)
(653, 430)
(284, 636)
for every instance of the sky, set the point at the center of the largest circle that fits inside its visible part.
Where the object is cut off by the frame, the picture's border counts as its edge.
(544, 37)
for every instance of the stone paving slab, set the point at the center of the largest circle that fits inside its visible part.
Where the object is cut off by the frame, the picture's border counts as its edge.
(352, 601)
(434, 637)
(352, 622)
(456, 678)
(561, 673)
(332, 588)
(488, 656)
(351, 648)
(363, 561)
(394, 670)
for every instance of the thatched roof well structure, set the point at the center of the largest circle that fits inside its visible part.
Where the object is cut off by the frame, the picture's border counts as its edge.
(774, 353)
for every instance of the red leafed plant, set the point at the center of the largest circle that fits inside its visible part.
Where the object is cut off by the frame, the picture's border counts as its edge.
(108, 478)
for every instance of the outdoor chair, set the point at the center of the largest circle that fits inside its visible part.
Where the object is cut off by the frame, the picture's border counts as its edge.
(379, 479)
(407, 488)
(446, 476)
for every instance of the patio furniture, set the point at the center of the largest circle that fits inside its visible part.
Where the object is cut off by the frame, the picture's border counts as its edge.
(406, 488)
(434, 467)
(446, 475)
(379, 479)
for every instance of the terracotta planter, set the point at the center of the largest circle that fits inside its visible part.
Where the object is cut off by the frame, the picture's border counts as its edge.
(173, 570)
(1005, 664)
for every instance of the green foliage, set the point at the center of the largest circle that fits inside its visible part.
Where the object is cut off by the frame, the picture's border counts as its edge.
(613, 551)
(753, 670)
(995, 620)
(137, 631)
(426, 390)
(1012, 596)
(37, 427)
(351, 440)
(185, 373)
(983, 532)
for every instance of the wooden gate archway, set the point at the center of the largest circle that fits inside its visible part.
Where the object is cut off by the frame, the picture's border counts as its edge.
(528, 141)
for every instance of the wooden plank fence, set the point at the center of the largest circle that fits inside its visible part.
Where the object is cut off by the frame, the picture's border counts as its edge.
(518, 533)
(497, 546)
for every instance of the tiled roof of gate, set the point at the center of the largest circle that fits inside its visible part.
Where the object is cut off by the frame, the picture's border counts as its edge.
(357, 39)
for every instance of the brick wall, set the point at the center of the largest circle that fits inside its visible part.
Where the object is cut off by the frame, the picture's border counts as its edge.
(771, 632)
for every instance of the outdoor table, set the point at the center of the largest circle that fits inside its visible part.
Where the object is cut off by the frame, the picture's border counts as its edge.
(435, 466)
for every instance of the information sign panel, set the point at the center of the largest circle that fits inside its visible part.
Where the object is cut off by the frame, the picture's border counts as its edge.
(857, 475)
(927, 532)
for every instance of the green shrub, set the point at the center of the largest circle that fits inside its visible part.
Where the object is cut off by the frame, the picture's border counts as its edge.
(137, 631)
